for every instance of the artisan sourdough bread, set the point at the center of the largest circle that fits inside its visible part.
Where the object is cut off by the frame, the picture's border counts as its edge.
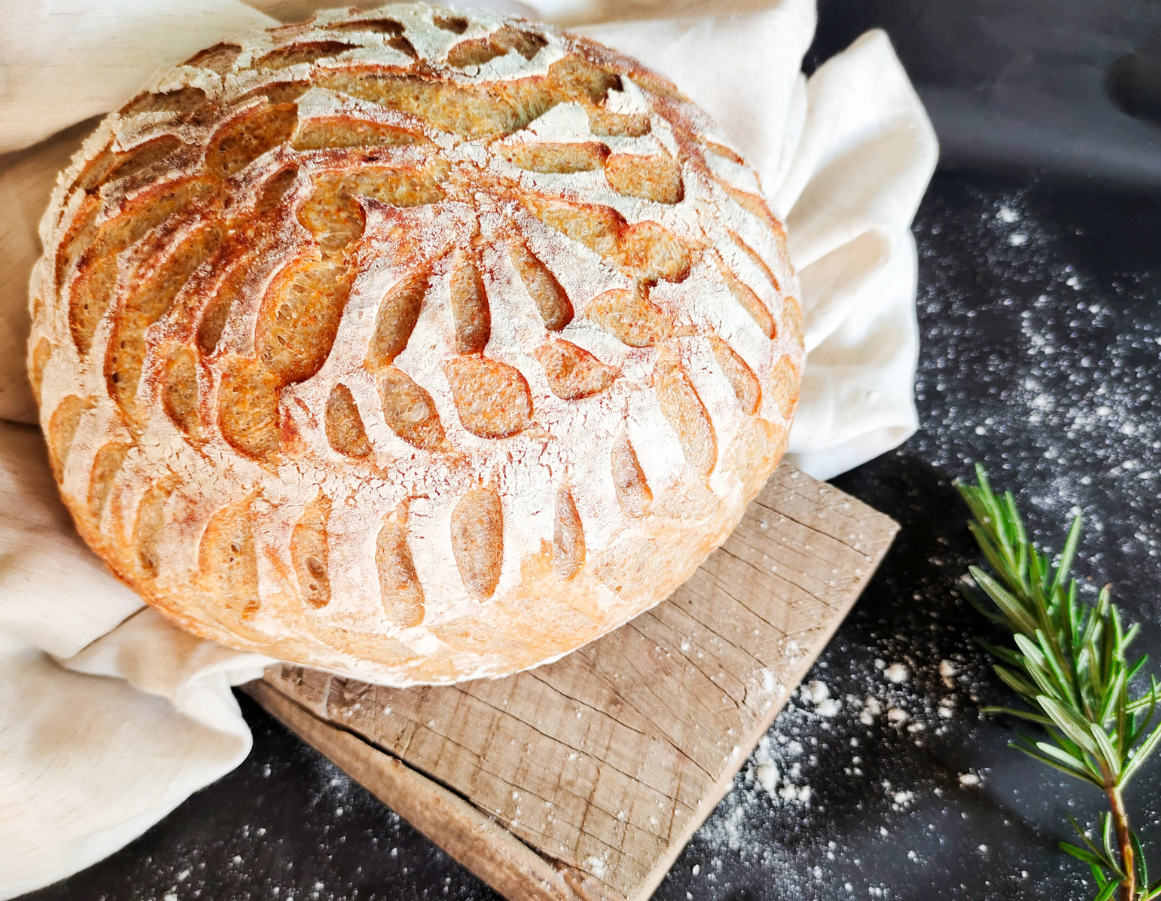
(411, 344)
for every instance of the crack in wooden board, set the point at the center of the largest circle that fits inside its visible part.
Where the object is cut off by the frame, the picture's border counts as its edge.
(582, 780)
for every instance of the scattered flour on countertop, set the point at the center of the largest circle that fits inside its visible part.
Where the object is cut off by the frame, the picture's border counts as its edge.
(896, 673)
(791, 772)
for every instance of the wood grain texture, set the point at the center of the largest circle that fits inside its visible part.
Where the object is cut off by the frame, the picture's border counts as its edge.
(584, 779)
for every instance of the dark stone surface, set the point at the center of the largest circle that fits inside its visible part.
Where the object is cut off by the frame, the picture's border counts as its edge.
(1041, 358)
(1073, 86)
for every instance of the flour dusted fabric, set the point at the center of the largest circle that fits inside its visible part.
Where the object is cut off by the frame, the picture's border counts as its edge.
(109, 716)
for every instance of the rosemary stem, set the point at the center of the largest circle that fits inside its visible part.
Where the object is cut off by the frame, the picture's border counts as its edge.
(1121, 825)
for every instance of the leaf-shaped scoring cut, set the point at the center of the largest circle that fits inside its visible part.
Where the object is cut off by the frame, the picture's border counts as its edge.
(596, 227)
(310, 552)
(218, 58)
(630, 316)
(221, 304)
(181, 101)
(492, 399)
(248, 408)
(41, 354)
(344, 131)
(754, 204)
(90, 295)
(399, 585)
(376, 26)
(79, 237)
(396, 319)
(556, 159)
(331, 214)
(295, 54)
(179, 391)
(242, 140)
(409, 411)
(546, 292)
(344, 426)
(472, 111)
(573, 372)
(740, 376)
(398, 186)
(477, 537)
(749, 301)
(756, 259)
(108, 462)
(300, 318)
(684, 410)
(645, 250)
(142, 157)
(792, 315)
(147, 529)
(722, 150)
(454, 24)
(607, 124)
(568, 536)
(654, 253)
(469, 303)
(632, 490)
(62, 430)
(655, 178)
(478, 51)
(783, 386)
(228, 559)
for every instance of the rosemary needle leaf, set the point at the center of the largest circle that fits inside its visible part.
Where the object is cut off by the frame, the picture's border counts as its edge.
(1031, 651)
(1107, 834)
(1090, 845)
(1140, 754)
(1082, 854)
(1108, 752)
(1007, 603)
(1058, 754)
(1064, 570)
(1069, 723)
(1149, 699)
(1139, 855)
(1007, 655)
(1048, 761)
(1016, 682)
(1021, 714)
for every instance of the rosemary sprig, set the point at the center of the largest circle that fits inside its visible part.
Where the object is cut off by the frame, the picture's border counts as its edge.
(1069, 665)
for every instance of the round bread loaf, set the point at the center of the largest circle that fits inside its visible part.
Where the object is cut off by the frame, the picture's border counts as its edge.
(411, 344)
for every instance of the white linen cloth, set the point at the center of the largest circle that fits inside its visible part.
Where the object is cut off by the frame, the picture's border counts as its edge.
(109, 716)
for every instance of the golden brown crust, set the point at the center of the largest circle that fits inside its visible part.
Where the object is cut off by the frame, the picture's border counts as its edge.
(411, 344)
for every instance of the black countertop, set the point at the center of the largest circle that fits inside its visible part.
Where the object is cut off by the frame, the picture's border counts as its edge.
(1040, 314)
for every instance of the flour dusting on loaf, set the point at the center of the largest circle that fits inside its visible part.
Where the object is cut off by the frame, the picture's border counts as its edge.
(411, 344)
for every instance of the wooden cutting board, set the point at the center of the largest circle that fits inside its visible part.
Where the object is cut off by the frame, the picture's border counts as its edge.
(582, 780)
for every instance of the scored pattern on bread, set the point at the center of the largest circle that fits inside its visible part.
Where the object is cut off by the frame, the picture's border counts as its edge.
(411, 344)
